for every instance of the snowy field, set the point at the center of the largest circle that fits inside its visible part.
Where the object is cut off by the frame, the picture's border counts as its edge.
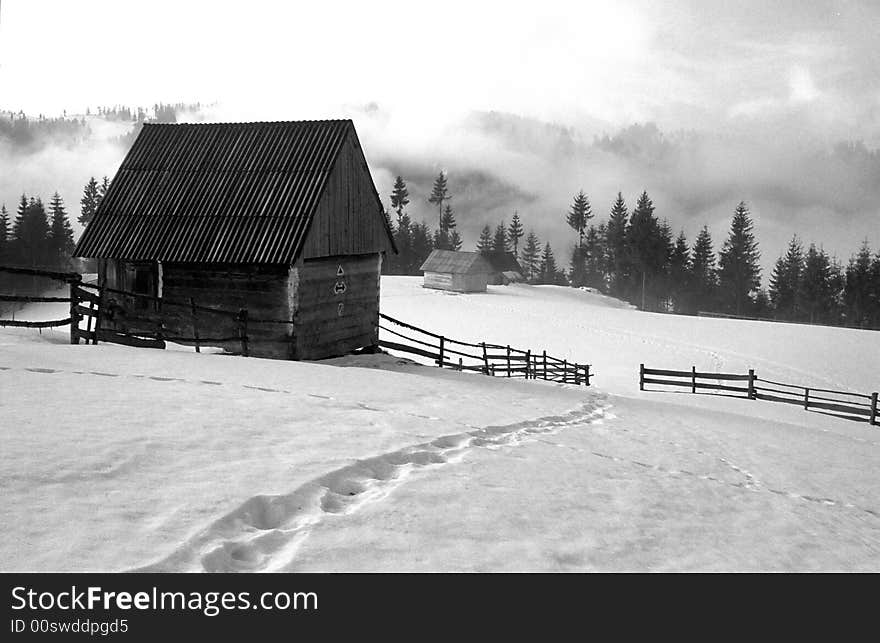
(117, 458)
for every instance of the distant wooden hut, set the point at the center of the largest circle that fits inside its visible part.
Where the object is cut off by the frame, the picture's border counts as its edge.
(281, 219)
(456, 271)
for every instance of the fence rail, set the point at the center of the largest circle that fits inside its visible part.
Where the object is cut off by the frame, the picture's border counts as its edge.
(860, 406)
(489, 359)
(157, 320)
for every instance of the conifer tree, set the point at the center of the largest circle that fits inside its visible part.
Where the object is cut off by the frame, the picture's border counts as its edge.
(858, 287)
(89, 202)
(499, 240)
(616, 250)
(102, 189)
(593, 252)
(484, 245)
(579, 215)
(785, 282)
(515, 232)
(422, 244)
(815, 291)
(454, 240)
(739, 274)
(548, 272)
(31, 232)
(703, 278)
(5, 234)
(577, 268)
(60, 236)
(531, 256)
(440, 194)
(399, 196)
(647, 248)
(679, 268)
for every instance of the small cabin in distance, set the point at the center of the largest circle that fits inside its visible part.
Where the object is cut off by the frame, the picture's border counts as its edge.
(456, 271)
(281, 219)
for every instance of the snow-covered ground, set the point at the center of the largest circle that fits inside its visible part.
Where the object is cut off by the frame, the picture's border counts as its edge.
(117, 458)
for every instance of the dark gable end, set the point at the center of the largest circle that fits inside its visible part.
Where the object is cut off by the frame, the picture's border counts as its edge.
(237, 193)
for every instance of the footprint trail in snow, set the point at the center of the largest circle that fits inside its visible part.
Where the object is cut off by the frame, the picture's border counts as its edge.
(266, 531)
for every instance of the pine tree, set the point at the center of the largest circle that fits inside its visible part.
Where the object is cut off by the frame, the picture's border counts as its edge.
(531, 256)
(515, 232)
(577, 267)
(499, 240)
(60, 233)
(403, 239)
(102, 189)
(703, 278)
(5, 234)
(740, 272)
(484, 245)
(647, 248)
(857, 291)
(454, 240)
(31, 230)
(593, 252)
(815, 292)
(785, 282)
(548, 271)
(399, 196)
(89, 202)
(440, 194)
(616, 249)
(421, 244)
(579, 215)
(679, 269)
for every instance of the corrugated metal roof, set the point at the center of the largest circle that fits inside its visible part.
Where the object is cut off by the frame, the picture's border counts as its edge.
(468, 263)
(216, 192)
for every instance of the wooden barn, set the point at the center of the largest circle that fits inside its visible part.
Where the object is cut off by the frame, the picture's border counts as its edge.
(456, 271)
(281, 219)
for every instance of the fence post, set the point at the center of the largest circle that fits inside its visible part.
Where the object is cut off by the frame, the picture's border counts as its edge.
(874, 408)
(641, 377)
(195, 323)
(485, 359)
(693, 379)
(442, 342)
(74, 315)
(587, 373)
(508, 360)
(528, 362)
(565, 371)
(242, 330)
(545, 365)
(752, 395)
(98, 315)
(577, 374)
(459, 364)
(806, 399)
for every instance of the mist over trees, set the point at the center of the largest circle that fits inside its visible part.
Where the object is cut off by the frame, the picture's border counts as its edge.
(638, 257)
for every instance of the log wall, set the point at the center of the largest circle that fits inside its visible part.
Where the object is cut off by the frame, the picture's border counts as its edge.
(336, 304)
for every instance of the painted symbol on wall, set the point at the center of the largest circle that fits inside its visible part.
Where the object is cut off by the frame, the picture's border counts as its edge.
(339, 271)
(339, 288)
(340, 309)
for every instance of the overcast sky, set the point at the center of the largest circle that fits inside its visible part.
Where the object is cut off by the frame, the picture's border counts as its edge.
(680, 63)
(787, 73)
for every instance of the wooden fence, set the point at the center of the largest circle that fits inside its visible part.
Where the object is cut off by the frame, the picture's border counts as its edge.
(859, 406)
(485, 358)
(96, 316)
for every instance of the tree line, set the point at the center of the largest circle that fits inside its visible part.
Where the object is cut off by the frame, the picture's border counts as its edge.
(635, 256)
(40, 236)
